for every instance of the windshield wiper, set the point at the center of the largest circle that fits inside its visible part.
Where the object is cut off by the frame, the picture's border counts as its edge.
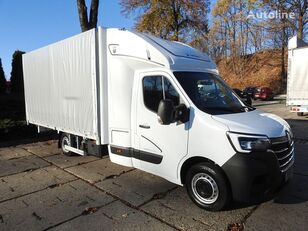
(220, 109)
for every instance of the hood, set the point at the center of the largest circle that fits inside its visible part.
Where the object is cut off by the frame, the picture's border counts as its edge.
(255, 122)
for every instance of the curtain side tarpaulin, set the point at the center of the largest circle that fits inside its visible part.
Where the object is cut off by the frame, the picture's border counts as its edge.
(60, 85)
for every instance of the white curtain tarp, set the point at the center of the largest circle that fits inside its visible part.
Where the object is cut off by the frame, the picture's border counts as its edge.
(298, 81)
(60, 85)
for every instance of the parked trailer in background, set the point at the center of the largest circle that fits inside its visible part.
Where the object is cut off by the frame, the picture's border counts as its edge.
(297, 85)
(161, 107)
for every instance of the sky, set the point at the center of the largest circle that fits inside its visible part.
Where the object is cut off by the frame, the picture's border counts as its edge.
(30, 24)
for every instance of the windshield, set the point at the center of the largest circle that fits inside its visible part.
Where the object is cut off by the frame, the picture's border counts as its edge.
(210, 94)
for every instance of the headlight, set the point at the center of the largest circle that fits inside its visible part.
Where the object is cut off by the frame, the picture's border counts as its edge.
(246, 143)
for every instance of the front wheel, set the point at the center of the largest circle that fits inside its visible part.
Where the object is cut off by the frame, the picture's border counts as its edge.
(208, 187)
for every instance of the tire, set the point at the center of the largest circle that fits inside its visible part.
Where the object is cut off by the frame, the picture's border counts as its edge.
(208, 187)
(300, 113)
(64, 140)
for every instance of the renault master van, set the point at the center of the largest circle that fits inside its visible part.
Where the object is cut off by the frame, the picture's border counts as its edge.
(158, 106)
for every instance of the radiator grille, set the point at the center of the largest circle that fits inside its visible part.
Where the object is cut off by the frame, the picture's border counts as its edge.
(283, 147)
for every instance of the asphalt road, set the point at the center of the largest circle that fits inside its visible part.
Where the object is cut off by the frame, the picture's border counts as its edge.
(43, 190)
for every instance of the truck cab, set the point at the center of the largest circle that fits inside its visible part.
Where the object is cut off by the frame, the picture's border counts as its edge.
(189, 127)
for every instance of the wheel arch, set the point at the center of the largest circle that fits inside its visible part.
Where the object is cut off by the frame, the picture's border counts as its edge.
(190, 162)
(195, 160)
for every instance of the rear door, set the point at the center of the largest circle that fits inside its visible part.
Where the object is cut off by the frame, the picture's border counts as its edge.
(160, 147)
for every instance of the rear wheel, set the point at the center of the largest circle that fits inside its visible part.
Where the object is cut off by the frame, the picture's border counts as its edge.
(65, 141)
(208, 187)
(300, 113)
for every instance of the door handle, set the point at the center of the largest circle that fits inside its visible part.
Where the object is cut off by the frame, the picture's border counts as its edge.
(145, 126)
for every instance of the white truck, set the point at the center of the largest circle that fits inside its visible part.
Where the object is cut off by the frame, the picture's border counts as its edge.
(158, 106)
(297, 84)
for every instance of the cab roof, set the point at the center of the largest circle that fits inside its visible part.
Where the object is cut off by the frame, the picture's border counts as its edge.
(171, 54)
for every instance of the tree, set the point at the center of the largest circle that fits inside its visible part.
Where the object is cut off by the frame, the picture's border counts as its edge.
(87, 23)
(233, 34)
(2, 79)
(17, 80)
(299, 8)
(293, 21)
(180, 20)
(232, 29)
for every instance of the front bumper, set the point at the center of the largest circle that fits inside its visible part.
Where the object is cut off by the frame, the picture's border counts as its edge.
(255, 176)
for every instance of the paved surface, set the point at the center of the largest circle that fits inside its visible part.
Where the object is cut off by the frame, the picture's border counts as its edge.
(40, 189)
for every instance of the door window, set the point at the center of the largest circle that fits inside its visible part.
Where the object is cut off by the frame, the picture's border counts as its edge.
(156, 88)
(170, 92)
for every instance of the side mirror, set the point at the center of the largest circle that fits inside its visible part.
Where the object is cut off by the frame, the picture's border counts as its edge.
(182, 113)
(166, 112)
(249, 101)
(246, 99)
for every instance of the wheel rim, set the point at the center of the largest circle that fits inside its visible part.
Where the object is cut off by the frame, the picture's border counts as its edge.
(65, 141)
(205, 188)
